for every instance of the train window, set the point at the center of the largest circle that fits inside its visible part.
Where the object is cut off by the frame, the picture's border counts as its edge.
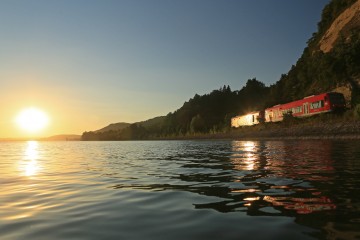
(313, 105)
(296, 109)
(318, 104)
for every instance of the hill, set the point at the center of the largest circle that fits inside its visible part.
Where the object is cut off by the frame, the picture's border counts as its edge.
(330, 62)
(62, 137)
(113, 127)
(150, 123)
(331, 59)
(126, 131)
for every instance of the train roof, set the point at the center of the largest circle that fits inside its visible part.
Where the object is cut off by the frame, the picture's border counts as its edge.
(300, 100)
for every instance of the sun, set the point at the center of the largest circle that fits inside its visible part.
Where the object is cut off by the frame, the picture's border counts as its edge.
(32, 120)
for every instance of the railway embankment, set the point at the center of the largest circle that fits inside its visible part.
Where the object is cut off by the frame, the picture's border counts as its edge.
(345, 130)
(305, 130)
(326, 126)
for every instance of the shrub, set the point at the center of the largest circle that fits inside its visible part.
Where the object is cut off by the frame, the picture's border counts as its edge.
(348, 115)
(357, 111)
(289, 119)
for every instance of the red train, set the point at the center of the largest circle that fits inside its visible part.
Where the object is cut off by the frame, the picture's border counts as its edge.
(316, 104)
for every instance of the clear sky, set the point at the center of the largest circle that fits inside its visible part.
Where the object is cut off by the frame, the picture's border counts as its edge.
(89, 63)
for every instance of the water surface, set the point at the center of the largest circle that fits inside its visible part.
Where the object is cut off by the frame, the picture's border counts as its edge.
(180, 190)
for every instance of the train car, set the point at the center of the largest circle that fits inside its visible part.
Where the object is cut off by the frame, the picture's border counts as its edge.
(316, 104)
(249, 119)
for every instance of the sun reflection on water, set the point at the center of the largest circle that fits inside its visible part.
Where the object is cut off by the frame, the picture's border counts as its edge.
(29, 164)
(244, 155)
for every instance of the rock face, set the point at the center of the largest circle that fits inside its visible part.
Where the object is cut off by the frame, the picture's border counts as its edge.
(342, 25)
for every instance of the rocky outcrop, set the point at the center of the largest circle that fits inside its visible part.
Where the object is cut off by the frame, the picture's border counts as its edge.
(342, 26)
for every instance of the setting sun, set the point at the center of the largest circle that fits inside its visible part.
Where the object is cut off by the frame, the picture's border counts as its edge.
(32, 120)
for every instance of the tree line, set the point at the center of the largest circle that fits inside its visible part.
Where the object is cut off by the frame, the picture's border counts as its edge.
(209, 113)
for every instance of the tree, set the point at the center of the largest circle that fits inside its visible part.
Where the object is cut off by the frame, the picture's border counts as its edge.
(197, 124)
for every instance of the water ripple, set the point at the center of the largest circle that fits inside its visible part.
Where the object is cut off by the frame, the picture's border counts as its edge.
(180, 189)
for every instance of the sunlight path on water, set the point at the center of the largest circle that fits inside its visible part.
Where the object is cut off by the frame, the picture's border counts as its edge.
(179, 190)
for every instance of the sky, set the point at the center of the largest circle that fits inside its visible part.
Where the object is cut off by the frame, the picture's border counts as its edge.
(89, 63)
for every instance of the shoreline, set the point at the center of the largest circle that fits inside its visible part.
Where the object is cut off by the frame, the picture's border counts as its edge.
(282, 131)
(298, 130)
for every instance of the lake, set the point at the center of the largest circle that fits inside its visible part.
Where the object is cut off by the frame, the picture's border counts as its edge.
(180, 190)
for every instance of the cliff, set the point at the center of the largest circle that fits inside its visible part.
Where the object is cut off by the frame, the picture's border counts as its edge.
(342, 26)
(331, 59)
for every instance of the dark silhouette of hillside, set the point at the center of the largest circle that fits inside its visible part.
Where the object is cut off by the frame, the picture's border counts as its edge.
(113, 127)
(330, 61)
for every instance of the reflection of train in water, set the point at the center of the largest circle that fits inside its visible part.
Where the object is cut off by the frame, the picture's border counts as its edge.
(316, 104)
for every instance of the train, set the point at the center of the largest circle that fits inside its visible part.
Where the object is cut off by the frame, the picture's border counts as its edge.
(249, 119)
(308, 106)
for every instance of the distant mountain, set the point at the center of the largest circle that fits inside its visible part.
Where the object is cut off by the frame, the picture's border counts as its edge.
(156, 121)
(127, 131)
(62, 137)
(113, 127)
(122, 125)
